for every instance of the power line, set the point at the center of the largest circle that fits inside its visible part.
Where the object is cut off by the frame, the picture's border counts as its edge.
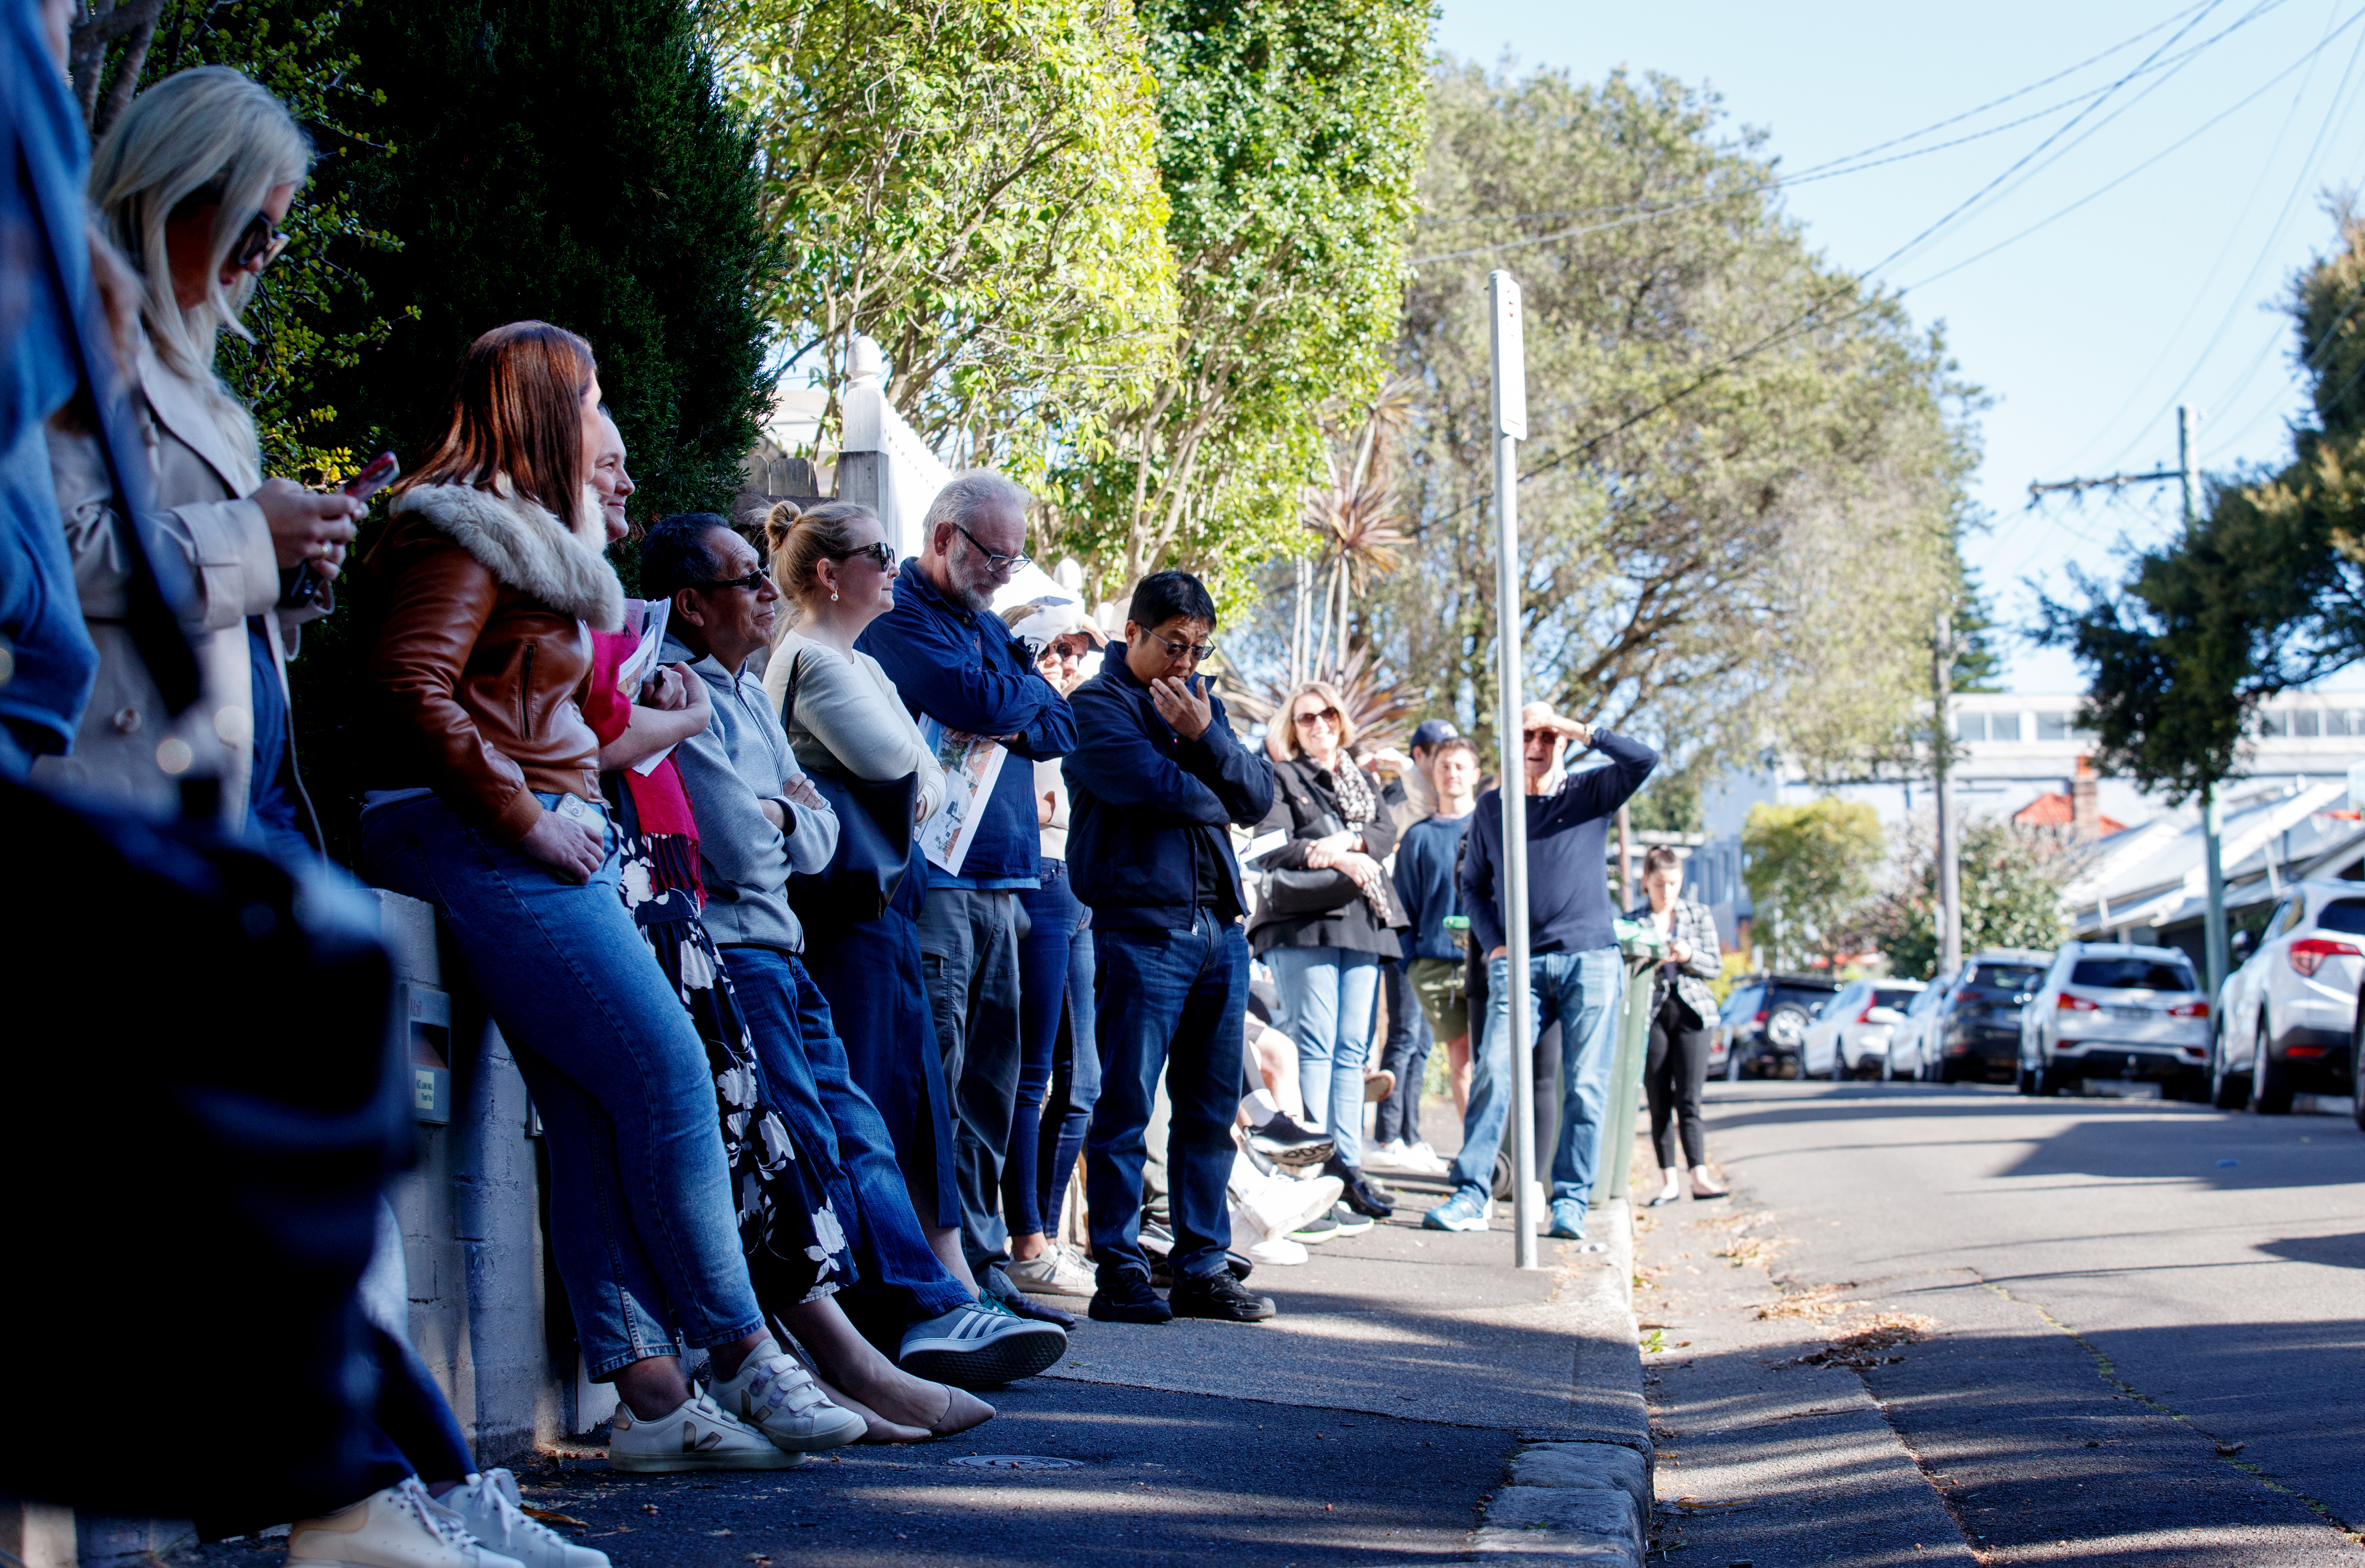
(1833, 167)
(2198, 131)
(2336, 110)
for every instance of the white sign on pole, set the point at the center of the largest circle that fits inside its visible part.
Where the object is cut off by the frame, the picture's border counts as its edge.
(1510, 356)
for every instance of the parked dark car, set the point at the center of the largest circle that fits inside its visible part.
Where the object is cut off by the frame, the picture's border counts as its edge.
(1758, 1032)
(1977, 1030)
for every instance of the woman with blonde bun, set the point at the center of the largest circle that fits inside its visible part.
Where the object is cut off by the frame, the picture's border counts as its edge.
(833, 564)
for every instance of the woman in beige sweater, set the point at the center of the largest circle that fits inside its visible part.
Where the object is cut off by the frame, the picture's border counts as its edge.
(845, 720)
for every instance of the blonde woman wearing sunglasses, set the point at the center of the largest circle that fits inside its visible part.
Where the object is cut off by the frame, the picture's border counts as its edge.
(190, 187)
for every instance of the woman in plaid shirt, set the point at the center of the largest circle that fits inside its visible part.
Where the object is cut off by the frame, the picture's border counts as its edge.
(1680, 1009)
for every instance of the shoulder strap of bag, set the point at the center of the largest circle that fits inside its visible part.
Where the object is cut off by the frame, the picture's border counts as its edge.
(788, 696)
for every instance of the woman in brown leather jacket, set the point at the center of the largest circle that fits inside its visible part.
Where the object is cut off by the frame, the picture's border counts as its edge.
(487, 806)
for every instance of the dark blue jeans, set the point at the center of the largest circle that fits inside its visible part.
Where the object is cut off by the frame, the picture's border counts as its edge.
(642, 1220)
(1406, 1054)
(1055, 1005)
(900, 1281)
(1169, 1002)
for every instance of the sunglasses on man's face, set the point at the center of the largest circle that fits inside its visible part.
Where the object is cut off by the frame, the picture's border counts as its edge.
(258, 246)
(1175, 650)
(750, 582)
(1532, 736)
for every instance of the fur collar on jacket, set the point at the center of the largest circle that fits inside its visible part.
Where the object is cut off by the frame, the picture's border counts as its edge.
(529, 549)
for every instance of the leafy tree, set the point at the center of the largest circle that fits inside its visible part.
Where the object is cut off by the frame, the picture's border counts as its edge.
(1290, 138)
(574, 161)
(1745, 473)
(2012, 898)
(315, 312)
(1978, 666)
(976, 186)
(1809, 870)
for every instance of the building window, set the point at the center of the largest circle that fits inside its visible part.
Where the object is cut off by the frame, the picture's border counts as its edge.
(2274, 723)
(1970, 726)
(2054, 726)
(2003, 726)
(2340, 722)
(2305, 723)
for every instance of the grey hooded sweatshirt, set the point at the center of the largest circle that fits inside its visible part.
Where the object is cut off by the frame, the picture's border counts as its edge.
(740, 761)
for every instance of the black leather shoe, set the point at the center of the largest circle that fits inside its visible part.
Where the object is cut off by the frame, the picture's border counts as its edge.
(1365, 1197)
(1130, 1300)
(1162, 1276)
(1221, 1297)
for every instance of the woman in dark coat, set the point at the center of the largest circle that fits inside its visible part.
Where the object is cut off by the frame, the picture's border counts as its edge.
(1327, 918)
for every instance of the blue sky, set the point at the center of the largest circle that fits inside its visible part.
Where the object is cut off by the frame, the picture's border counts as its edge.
(2157, 287)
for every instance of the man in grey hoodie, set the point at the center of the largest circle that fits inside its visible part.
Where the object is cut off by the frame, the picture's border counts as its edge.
(760, 821)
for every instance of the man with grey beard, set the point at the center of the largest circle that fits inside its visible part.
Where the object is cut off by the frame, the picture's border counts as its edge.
(953, 660)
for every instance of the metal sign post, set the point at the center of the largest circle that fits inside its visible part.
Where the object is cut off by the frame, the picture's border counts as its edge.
(1510, 428)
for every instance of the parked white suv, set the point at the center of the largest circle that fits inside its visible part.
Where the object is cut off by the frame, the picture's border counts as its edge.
(1849, 1039)
(2295, 996)
(2110, 1010)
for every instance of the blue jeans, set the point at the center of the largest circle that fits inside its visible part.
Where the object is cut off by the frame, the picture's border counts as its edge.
(1326, 998)
(899, 1280)
(1172, 1001)
(1054, 989)
(1580, 990)
(642, 1221)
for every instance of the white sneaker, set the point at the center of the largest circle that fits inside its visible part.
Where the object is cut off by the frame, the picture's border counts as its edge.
(700, 1435)
(489, 1507)
(1422, 1160)
(1278, 1249)
(777, 1395)
(1054, 1272)
(1276, 1205)
(400, 1527)
(1389, 1156)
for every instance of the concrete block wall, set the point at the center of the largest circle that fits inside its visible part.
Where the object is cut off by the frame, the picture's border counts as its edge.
(471, 1220)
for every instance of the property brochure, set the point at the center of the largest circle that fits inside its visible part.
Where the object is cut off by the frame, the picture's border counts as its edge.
(971, 764)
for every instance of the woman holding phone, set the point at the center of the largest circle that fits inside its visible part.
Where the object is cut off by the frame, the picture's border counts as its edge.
(190, 187)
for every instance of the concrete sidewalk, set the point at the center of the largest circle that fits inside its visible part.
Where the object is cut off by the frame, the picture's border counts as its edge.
(1373, 1423)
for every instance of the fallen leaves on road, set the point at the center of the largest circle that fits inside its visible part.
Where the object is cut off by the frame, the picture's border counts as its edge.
(1821, 1303)
(1862, 1349)
(551, 1517)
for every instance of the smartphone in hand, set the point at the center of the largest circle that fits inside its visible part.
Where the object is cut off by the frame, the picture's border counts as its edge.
(382, 470)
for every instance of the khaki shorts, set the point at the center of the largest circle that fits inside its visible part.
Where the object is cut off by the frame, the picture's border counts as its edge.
(1438, 983)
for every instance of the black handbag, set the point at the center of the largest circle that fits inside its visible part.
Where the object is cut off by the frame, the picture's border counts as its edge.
(874, 843)
(1290, 893)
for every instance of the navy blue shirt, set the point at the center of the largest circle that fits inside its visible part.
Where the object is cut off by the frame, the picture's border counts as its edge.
(1146, 810)
(1568, 855)
(1425, 882)
(965, 670)
(271, 809)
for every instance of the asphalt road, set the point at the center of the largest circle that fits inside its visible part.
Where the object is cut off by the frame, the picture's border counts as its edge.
(2100, 1331)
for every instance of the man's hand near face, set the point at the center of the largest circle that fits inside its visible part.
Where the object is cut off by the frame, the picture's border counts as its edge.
(1183, 704)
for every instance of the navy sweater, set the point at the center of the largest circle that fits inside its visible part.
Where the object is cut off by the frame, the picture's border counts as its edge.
(1147, 808)
(1568, 855)
(966, 671)
(1425, 882)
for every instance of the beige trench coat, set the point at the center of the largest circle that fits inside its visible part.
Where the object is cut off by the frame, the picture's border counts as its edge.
(121, 757)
